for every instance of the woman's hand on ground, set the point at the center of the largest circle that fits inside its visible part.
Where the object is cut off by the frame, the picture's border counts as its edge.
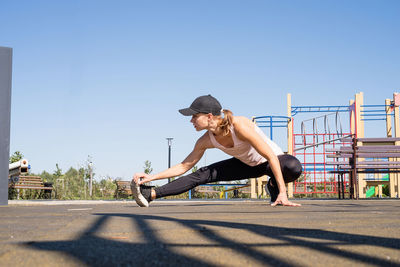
(141, 178)
(284, 201)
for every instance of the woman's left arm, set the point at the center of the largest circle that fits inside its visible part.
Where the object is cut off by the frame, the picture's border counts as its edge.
(244, 129)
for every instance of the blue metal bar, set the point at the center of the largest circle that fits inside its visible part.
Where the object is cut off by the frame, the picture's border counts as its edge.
(311, 111)
(273, 116)
(300, 109)
(274, 125)
(373, 115)
(316, 111)
(377, 114)
(268, 117)
(374, 110)
(320, 107)
(272, 121)
(369, 106)
(270, 129)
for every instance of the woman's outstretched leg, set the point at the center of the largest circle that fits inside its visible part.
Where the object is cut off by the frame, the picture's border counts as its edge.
(226, 170)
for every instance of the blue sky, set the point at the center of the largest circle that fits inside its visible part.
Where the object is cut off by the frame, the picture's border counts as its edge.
(106, 78)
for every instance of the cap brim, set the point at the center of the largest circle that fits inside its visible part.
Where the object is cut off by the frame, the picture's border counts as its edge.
(187, 112)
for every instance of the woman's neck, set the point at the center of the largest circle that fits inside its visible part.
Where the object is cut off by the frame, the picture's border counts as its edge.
(214, 128)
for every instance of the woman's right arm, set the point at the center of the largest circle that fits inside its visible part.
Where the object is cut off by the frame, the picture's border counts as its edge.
(201, 145)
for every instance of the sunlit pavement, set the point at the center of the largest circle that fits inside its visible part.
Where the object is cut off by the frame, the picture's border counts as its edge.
(200, 233)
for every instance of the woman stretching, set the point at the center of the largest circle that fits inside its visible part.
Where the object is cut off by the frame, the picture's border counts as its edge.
(254, 155)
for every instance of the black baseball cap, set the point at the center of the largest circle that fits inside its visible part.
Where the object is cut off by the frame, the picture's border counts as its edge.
(203, 104)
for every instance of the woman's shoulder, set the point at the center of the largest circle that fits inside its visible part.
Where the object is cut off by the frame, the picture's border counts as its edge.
(240, 121)
(243, 127)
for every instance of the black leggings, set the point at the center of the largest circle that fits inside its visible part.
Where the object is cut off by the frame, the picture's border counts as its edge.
(228, 170)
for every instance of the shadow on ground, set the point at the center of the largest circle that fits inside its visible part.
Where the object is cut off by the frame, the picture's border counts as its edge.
(96, 251)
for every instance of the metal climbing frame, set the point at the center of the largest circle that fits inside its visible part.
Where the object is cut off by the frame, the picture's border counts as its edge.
(316, 178)
(310, 144)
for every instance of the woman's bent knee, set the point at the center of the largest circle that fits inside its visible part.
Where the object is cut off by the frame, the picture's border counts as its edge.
(296, 168)
(292, 168)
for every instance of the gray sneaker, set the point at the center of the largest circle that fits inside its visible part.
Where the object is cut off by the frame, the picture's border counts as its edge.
(273, 191)
(141, 194)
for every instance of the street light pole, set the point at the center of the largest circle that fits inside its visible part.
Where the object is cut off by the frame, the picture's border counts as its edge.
(169, 139)
(90, 178)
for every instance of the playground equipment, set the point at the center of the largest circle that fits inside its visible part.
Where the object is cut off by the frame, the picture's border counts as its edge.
(361, 113)
(310, 140)
(310, 143)
(376, 191)
(365, 156)
(16, 169)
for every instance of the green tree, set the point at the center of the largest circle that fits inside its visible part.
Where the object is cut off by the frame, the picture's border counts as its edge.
(58, 172)
(107, 188)
(17, 156)
(47, 177)
(147, 167)
(194, 169)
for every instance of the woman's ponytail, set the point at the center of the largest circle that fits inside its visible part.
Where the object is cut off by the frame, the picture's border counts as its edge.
(226, 123)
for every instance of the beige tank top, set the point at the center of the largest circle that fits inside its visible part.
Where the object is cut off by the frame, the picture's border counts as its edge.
(243, 150)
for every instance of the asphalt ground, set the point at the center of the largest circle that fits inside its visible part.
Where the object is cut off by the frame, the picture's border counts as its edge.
(200, 233)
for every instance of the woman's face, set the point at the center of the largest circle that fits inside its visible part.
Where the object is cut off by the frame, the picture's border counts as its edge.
(200, 121)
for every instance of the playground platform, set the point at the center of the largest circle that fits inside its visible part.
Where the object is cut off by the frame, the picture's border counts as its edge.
(200, 233)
